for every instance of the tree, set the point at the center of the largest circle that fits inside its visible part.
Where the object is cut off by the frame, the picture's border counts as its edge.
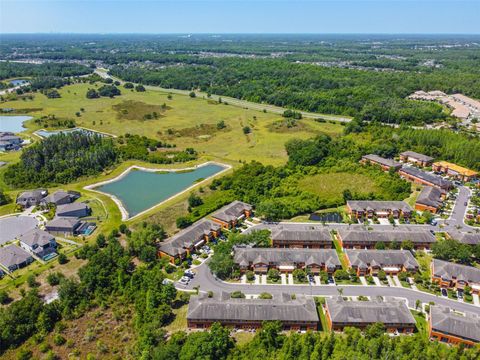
(299, 275)
(221, 125)
(246, 130)
(380, 245)
(62, 259)
(382, 275)
(92, 94)
(250, 275)
(4, 297)
(341, 275)
(140, 88)
(407, 245)
(192, 94)
(194, 200)
(273, 275)
(128, 85)
(183, 222)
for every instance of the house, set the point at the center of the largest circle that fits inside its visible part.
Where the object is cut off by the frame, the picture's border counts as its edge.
(418, 176)
(393, 314)
(416, 158)
(467, 238)
(356, 237)
(454, 171)
(229, 215)
(430, 199)
(13, 257)
(301, 236)
(450, 327)
(73, 210)
(294, 314)
(370, 262)
(450, 275)
(385, 164)
(358, 209)
(38, 242)
(31, 198)
(61, 197)
(9, 141)
(188, 240)
(63, 226)
(260, 260)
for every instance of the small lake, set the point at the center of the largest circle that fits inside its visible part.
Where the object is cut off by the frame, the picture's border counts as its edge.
(13, 123)
(140, 190)
(48, 133)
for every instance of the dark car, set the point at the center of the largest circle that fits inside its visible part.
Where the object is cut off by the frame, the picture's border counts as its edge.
(444, 292)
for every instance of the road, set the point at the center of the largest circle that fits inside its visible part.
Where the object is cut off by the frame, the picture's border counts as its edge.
(233, 101)
(206, 281)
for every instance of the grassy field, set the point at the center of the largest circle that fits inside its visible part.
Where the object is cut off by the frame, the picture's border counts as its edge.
(331, 186)
(185, 121)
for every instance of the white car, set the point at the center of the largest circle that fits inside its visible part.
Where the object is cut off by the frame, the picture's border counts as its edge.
(184, 280)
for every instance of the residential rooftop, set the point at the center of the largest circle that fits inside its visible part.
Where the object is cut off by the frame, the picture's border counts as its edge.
(415, 235)
(451, 323)
(418, 156)
(36, 237)
(376, 205)
(63, 222)
(232, 211)
(187, 238)
(382, 161)
(457, 168)
(431, 196)
(246, 256)
(66, 208)
(448, 270)
(13, 255)
(427, 177)
(388, 311)
(381, 258)
(281, 307)
(301, 232)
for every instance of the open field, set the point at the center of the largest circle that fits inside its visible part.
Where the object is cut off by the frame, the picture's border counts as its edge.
(182, 121)
(331, 186)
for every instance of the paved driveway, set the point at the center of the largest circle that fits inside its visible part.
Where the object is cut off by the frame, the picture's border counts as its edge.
(13, 226)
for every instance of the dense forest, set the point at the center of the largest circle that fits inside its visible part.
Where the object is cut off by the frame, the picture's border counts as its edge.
(61, 159)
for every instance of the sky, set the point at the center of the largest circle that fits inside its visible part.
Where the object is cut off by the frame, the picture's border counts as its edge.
(232, 16)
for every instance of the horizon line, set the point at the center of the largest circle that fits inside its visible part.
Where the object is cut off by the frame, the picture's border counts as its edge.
(234, 33)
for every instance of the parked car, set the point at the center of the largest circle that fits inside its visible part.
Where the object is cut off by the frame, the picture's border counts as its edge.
(465, 203)
(444, 292)
(460, 294)
(189, 273)
(330, 280)
(184, 280)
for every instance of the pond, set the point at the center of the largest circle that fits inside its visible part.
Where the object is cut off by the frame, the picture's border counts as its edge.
(329, 217)
(139, 190)
(17, 82)
(48, 133)
(13, 123)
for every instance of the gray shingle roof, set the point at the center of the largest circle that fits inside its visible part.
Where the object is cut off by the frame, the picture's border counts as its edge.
(448, 270)
(384, 258)
(36, 237)
(300, 232)
(445, 321)
(467, 238)
(430, 178)
(67, 208)
(187, 238)
(13, 255)
(417, 156)
(430, 196)
(281, 308)
(58, 196)
(279, 256)
(375, 205)
(390, 311)
(415, 235)
(381, 160)
(232, 211)
(63, 222)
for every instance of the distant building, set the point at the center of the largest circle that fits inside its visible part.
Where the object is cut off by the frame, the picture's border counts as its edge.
(393, 314)
(456, 276)
(294, 314)
(382, 209)
(38, 242)
(385, 164)
(430, 199)
(370, 262)
(13, 257)
(9, 141)
(416, 158)
(421, 177)
(450, 327)
(301, 236)
(61, 197)
(63, 226)
(260, 260)
(229, 215)
(31, 198)
(188, 240)
(455, 171)
(73, 210)
(360, 238)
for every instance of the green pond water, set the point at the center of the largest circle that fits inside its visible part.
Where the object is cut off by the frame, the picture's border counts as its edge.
(140, 190)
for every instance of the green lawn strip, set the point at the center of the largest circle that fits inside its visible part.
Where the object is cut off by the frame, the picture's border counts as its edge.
(321, 314)
(421, 322)
(340, 254)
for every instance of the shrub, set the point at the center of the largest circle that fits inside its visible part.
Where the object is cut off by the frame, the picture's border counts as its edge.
(62, 259)
(265, 296)
(59, 340)
(4, 297)
(250, 275)
(32, 282)
(273, 275)
(382, 275)
(53, 279)
(299, 275)
(237, 295)
(341, 275)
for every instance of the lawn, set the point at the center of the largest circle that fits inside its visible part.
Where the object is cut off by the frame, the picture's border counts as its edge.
(179, 323)
(185, 121)
(331, 186)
